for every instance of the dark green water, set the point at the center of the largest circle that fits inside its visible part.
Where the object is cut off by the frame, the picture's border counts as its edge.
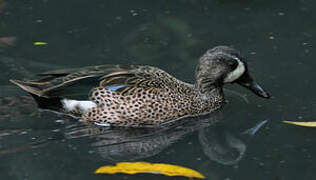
(277, 38)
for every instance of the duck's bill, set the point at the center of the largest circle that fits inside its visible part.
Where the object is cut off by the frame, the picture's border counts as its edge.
(246, 81)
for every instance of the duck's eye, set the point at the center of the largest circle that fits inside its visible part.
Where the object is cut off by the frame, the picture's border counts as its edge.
(233, 64)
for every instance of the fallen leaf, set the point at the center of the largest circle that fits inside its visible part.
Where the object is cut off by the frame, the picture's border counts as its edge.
(306, 124)
(144, 167)
(40, 43)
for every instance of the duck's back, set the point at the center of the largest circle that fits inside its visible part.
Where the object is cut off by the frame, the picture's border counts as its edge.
(129, 95)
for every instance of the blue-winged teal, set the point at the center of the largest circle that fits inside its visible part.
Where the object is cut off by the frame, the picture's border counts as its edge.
(134, 95)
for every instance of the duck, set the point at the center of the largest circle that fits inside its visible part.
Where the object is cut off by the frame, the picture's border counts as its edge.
(141, 95)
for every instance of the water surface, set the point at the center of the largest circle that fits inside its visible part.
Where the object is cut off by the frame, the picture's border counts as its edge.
(276, 37)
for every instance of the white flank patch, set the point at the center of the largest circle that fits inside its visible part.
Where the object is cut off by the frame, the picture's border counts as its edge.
(70, 105)
(232, 76)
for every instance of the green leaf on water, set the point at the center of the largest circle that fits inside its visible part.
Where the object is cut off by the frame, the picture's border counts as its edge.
(40, 43)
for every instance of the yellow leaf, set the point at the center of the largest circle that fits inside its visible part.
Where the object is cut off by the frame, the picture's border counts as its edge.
(40, 43)
(144, 167)
(307, 124)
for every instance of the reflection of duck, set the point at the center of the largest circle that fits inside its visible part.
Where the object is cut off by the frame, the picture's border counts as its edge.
(129, 144)
(221, 146)
(143, 95)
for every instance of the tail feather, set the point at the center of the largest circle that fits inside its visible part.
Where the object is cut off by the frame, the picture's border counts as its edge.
(53, 103)
(35, 90)
(30, 87)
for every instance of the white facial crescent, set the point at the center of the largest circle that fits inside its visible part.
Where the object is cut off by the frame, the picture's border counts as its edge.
(232, 76)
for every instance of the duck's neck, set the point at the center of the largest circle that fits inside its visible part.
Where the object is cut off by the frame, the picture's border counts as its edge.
(208, 81)
(210, 98)
(208, 85)
(210, 91)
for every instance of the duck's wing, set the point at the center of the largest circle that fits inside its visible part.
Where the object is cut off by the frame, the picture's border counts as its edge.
(133, 78)
(121, 78)
(52, 82)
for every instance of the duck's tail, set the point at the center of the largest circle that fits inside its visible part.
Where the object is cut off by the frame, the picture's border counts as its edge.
(44, 102)
(53, 103)
(30, 87)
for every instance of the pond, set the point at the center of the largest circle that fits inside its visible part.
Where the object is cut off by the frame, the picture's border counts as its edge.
(276, 38)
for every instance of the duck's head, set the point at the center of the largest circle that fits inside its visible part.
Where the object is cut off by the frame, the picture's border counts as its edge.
(223, 64)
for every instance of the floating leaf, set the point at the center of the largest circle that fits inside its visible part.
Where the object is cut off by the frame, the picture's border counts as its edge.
(307, 124)
(40, 43)
(144, 167)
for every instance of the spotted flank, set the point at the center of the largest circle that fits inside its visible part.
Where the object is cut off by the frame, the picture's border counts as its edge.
(147, 102)
(136, 95)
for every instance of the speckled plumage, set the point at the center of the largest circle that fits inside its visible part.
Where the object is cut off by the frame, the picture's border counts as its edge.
(151, 96)
(134, 95)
